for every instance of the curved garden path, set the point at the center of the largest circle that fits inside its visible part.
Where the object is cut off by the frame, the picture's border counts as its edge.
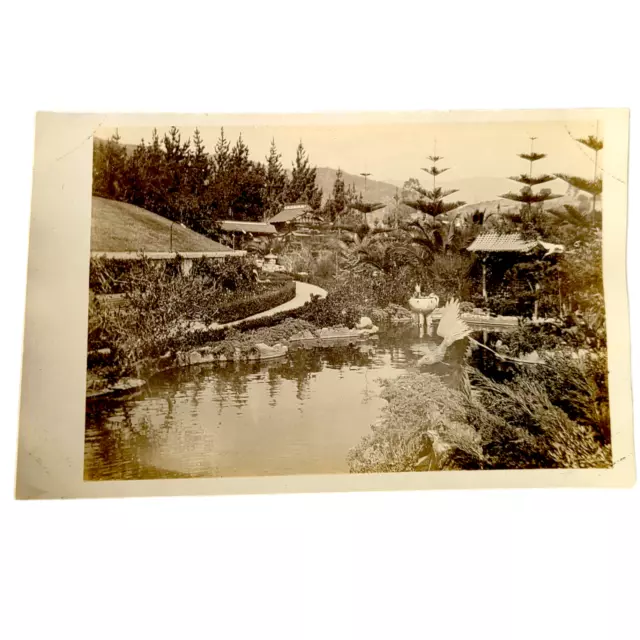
(304, 291)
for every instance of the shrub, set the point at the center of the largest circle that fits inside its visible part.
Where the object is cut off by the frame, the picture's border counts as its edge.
(110, 276)
(448, 276)
(324, 268)
(335, 309)
(230, 274)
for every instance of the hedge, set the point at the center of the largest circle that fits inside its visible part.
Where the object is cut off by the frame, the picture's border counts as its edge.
(255, 304)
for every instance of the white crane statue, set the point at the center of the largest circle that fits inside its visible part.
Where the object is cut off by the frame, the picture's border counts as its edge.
(451, 328)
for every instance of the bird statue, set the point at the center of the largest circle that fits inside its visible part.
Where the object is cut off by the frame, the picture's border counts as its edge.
(451, 328)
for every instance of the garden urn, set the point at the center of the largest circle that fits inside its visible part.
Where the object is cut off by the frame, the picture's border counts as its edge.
(424, 307)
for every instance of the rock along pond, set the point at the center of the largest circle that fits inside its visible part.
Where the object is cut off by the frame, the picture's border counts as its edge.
(300, 414)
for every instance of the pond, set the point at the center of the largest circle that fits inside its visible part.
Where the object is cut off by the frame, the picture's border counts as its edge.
(300, 414)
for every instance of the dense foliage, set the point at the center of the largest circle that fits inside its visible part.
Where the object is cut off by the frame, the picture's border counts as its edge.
(181, 181)
(155, 301)
(545, 417)
(111, 276)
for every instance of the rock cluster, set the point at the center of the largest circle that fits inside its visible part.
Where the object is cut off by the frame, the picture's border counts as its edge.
(124, 387)
(221, 353)
(363, 329)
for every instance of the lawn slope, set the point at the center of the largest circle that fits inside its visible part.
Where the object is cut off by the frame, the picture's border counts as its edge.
(118, 227)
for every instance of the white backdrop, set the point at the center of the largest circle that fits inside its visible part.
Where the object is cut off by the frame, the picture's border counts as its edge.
(500, 564)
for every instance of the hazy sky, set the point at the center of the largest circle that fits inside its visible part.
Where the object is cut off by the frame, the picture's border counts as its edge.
(398, 151)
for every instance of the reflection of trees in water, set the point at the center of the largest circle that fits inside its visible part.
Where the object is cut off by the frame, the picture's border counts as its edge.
(199, 385)
(338, 357)
(302, 363)
(274, 384)
(168, 416)
(230, 381)
(298, 367)
(116, 443)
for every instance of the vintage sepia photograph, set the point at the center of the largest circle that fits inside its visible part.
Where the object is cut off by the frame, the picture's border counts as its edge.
(289, 300)
(315, 297)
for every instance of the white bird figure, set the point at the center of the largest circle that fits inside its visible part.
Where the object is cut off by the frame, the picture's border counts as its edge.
(451, 328)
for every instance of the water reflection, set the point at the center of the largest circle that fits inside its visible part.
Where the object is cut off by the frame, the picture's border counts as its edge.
(298, 414)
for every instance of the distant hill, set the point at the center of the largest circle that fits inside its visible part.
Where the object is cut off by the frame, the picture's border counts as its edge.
(377, 191)
(570, 196)
(120, 227)
(468, 189)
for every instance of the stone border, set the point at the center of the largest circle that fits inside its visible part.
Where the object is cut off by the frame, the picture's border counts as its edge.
(126, 387)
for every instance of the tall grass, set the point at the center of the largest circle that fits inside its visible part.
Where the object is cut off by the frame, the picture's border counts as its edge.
(555, 417)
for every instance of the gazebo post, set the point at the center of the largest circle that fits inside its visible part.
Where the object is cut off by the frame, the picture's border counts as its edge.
(484, 278)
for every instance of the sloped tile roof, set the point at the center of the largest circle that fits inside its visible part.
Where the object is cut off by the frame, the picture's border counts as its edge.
(497, 242)
(291, 212)
(501, 242)
(247, 227)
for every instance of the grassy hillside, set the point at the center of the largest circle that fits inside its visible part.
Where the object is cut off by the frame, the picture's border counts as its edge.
(117, 226)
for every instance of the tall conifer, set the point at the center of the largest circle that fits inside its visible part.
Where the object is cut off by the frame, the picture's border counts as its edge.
(432, 202)
(275, 183)
(337, 202)
(591, 186)
(531, 200)
(302, 186)
(109, 168)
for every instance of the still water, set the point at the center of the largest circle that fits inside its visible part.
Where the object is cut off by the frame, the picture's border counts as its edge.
(296, 415)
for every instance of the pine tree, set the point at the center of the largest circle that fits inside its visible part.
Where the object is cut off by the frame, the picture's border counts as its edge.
(532, 269)
(432, 202)
(275, 183)
(350, 195)
(136, 182)
(246, 184)
(177, 159)
(155, 176)
(302, 187)
(109, 168)
(592, 187)
(221, 185)
(530, 213)
(197, 187)
(200, 170)
(337, 202)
